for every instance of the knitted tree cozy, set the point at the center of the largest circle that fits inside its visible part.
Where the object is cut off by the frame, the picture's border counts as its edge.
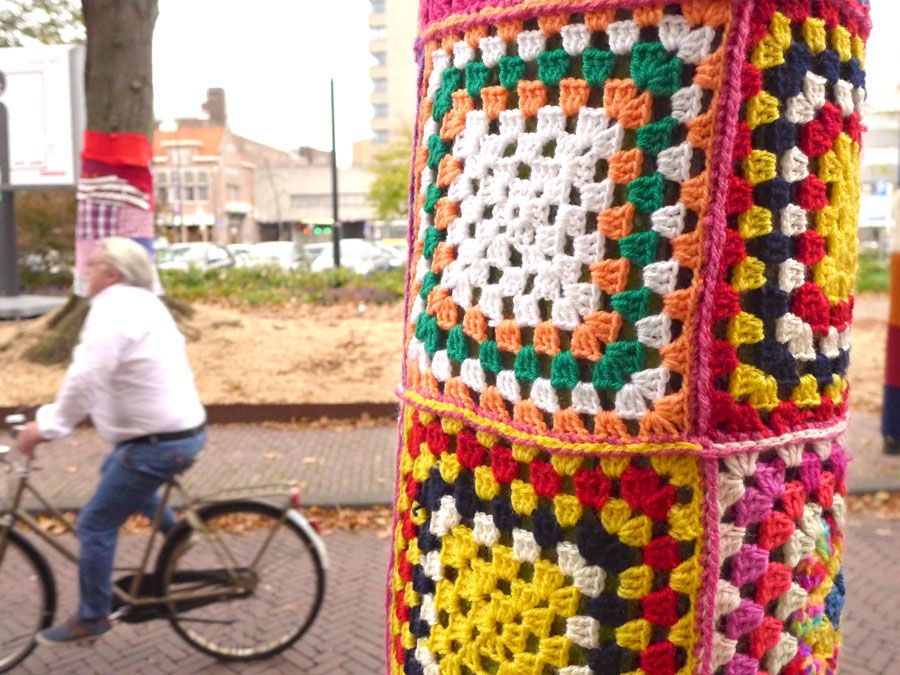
(633, 240)
(115, 195)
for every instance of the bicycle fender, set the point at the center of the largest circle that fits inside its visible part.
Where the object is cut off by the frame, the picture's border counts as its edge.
(300, 521)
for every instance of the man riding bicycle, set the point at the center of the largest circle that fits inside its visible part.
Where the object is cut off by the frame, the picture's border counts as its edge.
(131, 375)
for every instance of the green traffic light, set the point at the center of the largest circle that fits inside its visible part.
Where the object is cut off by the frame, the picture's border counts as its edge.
(318, 230)
(327, 230)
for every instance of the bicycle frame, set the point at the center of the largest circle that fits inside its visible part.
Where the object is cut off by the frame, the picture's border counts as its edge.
(133, 597)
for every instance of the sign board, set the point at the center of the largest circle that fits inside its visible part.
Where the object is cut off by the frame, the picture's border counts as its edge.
(875, 205)
(44, 98)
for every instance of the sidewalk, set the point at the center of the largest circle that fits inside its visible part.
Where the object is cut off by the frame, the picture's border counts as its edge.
(352, 467)
(355, 466)
(348, 636)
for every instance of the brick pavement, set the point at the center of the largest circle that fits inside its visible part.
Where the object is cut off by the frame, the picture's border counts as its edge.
(336, 467)
(347, 637)
(355, 466)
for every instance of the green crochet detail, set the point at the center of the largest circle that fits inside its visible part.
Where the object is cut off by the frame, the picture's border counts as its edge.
(430, 281)
(432, 195)
(457, 344)
(620, 360)
(564, 371)
(552, 66)
(527, 367)
(433, 237)
(646, 192)
(597, 66)
(489, 356)
(437, 148)
(428, 332)
(655, 69)
(477, 77)
(512, 69)
(656, 136)
(633, 305)
(451, 80)
(640, 247)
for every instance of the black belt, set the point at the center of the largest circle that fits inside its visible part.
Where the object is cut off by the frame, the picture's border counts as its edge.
(168, 435)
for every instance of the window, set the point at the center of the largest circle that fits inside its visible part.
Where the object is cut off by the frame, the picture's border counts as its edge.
(380, 58)
(202, 186)
(378, 6)
(299, 201)
(162, 187)
(310, 200)
(379, 32)
(381, 109)
(187, 179)
(379, 84)
(381, 136)
(175, 196)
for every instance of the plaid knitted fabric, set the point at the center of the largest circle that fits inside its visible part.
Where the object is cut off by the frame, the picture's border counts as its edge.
(632, 257)
(115, 196)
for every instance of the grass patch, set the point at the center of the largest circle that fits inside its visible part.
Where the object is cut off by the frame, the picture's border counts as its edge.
(874, 272)
(274, 287)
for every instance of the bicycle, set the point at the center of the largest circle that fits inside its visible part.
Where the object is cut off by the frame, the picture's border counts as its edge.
(228, 577)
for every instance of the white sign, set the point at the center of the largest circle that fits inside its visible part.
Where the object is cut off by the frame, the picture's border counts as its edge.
(44, 99)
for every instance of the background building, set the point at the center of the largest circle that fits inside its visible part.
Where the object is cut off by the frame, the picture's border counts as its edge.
(204, 177)
(394, 25)
(213, 185)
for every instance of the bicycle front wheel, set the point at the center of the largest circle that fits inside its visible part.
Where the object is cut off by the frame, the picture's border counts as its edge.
(28, 593)
(258, 582)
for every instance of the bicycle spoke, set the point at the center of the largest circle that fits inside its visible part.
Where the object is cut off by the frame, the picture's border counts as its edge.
(279, 584)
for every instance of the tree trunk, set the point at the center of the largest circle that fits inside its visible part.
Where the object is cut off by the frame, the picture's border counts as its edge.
(118, 85)
(118, 74)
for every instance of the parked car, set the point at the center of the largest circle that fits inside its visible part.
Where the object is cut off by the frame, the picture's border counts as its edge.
(243, 254)
(200, 255)
(358, 255)
(286, 254)
(396, 254)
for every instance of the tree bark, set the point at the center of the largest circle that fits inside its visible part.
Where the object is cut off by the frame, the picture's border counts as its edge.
(118, 74)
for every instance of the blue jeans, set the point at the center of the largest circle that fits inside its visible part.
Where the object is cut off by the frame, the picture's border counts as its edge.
(129, 479)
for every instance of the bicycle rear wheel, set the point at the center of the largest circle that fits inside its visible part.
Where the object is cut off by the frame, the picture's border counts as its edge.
(28, 593)
(283, 581)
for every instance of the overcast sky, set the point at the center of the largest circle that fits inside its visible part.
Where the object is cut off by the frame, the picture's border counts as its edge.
(274, 59)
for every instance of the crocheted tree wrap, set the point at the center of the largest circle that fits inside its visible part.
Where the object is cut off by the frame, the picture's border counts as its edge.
(632, 256)
(783, 298)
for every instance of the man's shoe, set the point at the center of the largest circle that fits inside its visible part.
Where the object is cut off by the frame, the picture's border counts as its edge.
(73, 632)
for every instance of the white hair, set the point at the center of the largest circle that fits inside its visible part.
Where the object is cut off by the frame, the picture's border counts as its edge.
(130, 260)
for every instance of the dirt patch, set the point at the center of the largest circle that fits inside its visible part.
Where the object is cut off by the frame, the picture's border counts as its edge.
(308, 354)
(340, 354)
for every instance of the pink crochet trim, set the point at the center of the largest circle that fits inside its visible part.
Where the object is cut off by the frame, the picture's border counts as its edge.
(434, 11)
(714, 227)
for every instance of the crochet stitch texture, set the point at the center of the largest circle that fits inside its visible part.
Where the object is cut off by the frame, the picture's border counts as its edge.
(632, 261)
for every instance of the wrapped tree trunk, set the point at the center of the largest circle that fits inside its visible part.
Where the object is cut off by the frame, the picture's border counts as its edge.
(115, 193)
(115, 190)
(633, 251)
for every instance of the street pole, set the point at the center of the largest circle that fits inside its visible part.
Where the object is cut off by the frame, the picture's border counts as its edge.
(335, 229)
(9, 272)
